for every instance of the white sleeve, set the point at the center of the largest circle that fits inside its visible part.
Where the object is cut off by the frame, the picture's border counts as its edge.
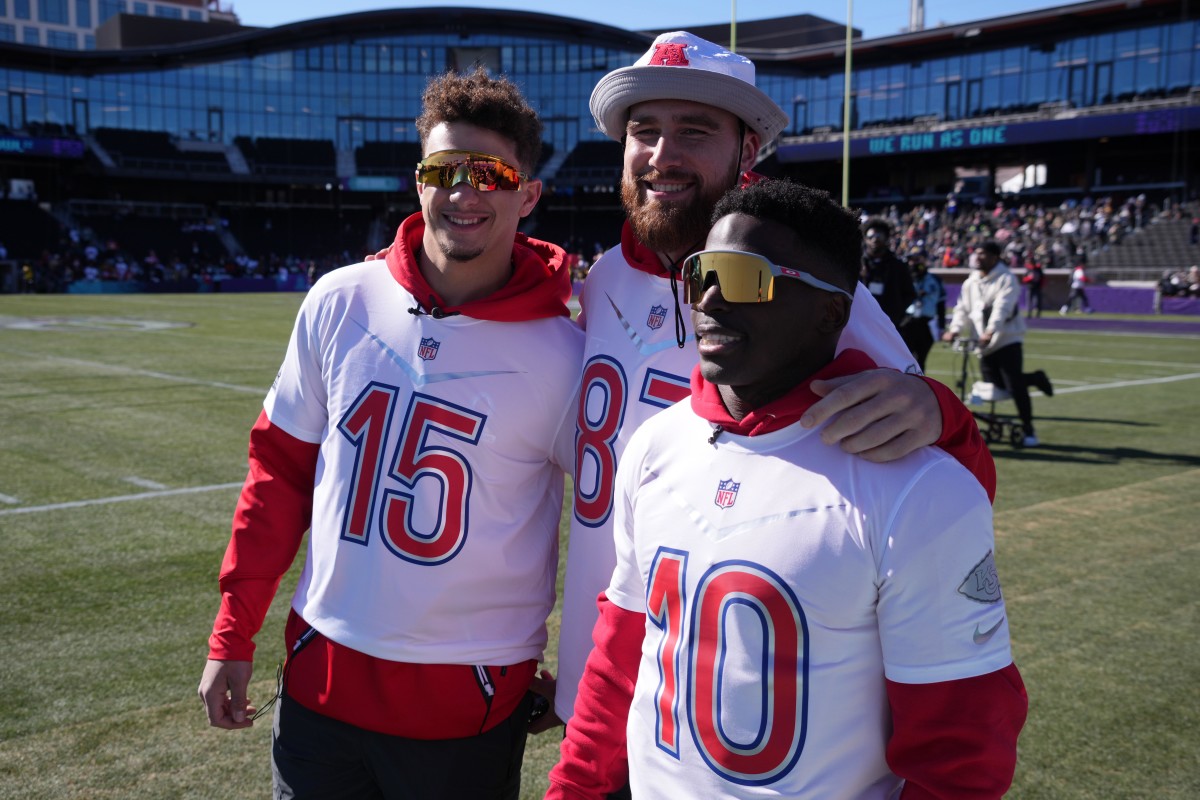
(297, 399)
(564, 441)
(940, 612)
(960, 322)
(627, 589)
(870, 331)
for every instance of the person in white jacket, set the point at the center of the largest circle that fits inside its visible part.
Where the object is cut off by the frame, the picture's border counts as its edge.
(987, 310)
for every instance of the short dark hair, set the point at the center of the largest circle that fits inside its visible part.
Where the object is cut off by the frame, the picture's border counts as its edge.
(495, 104)
(990, 246)
(879, 224)
(817, 219)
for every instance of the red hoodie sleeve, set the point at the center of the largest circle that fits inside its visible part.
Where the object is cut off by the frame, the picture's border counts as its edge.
(961, 437)
(958, 738)
(273, 512)
(592, 762)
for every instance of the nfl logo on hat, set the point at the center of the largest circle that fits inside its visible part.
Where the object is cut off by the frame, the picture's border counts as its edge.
(429, 349)
(658, 315)
(727, 493)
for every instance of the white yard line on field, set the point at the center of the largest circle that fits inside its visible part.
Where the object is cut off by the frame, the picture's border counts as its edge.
(12, 501)
(164, 376)
(1125, 361)
(1124, 384)
(145, 483)
(100, 501)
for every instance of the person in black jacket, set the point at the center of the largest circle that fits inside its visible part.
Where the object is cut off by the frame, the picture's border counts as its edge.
(885, 275)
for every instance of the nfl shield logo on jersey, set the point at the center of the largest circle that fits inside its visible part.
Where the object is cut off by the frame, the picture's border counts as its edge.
(658, 315)
(428, 349)
(727, 493)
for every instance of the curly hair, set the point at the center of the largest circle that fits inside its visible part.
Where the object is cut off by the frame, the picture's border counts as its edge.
(495, 104)
(878, 224)
(817, 219)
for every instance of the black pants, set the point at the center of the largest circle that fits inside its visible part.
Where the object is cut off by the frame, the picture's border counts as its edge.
(314, 756)
(1035, 300)
(916, 334)
(1003, 368)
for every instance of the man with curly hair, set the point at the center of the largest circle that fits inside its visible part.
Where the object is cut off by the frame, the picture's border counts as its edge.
(411, 427)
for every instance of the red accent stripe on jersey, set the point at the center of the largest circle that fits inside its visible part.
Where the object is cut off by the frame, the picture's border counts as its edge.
(662, 389)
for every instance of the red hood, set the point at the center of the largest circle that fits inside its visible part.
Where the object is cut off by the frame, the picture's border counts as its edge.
(539, 287)
(778, 414)
(643, 258)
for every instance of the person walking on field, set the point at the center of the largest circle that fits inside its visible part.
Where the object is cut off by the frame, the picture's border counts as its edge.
(987, 311)
(1078, 294)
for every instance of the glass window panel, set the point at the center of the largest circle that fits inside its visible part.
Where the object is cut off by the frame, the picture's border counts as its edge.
(1179, 70)
(993, 62)
(1103, 46)
(1123, 85)
(83, 13)
(21, 9)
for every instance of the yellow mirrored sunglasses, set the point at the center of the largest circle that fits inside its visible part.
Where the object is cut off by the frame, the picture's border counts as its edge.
(485, 173)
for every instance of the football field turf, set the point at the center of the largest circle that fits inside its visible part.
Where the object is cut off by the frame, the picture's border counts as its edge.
(123, 430)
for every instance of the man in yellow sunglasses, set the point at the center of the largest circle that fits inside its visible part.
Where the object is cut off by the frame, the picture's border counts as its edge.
(692, 123)
(411, 427)
(785, 618)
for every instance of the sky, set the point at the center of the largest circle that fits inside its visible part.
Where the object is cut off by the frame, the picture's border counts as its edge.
(875, 18)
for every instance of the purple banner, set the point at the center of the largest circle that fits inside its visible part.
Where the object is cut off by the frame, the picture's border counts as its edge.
(1166, 120)
(41, 146)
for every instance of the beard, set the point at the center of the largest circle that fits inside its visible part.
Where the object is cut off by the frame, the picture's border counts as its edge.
(668, 227)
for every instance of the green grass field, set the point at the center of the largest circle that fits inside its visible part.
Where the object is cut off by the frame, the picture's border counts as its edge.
(123, 428)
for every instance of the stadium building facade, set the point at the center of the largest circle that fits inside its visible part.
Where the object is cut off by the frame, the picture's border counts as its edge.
(274, 129)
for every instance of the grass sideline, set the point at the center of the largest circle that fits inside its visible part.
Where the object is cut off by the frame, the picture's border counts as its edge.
(123, 443)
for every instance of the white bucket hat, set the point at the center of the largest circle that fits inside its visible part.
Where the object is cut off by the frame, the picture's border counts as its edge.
(682, 66)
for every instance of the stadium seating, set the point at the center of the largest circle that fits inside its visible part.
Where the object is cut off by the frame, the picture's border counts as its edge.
(28, 230)
(155, 151)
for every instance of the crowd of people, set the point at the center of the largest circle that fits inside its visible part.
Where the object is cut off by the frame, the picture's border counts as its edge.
(87, 257)
(1181, 283)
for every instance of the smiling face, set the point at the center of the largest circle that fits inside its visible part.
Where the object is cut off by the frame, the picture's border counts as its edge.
(464, 225)
(680, 157)
(757, 352)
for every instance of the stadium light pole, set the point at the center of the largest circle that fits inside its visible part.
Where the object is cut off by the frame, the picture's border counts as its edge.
(733, 26)
(846, 111)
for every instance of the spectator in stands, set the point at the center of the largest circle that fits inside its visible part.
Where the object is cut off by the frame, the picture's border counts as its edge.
(885, 275)
(987, 311)
(412, 426)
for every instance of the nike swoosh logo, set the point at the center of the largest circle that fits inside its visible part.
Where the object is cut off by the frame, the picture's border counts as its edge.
(644, 347)
(982, 637)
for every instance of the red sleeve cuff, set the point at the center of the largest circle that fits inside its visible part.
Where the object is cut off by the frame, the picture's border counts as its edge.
(958, 738)
(273, 512)
(961, 438)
